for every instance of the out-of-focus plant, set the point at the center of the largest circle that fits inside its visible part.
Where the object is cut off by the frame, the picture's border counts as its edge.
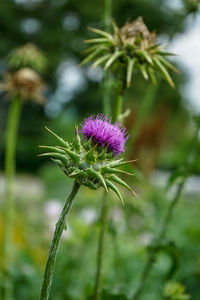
(92, 161)
(22, 83)
(132, 47)
(175, 291)
(178, 177)
(191, 6)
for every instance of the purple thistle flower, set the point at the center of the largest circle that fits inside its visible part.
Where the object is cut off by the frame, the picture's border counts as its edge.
(113, 136)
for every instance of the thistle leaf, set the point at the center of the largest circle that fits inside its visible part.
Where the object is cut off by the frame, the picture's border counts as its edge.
(112, 59)
(91, 56)
(77, 140)
(143, 70)
(167, 64)
(115, 189)
(101, 32)
(163, 71)
(90, 49)
(54, 149)
(90, 155)
(164, 53)
(152, 75)
(57, 155)
(130, 68)
(58, 162)
(98, 175)
(73, 155)
(108, 170)
(120, 181)
(98, 40)
(100, 60)
(120, 163)
(65, 144)
(145, 55)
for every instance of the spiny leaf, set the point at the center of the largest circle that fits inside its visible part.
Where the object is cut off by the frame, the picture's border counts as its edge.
(90, 155)
(108, 170)
(115, 189)
(164, 53)
(152, 75)
(98, 175)
(91, 49)
(120, 163)
(100, 60)
(112, 59)
(77, 140)
(54, 149)
(115, 27)
(58, 162)
(130, 68)
(65, 144)
(91, 56)
(145, 55)
(57, 155)
(144, 72)
(101, 32)
(120, 181)
(73, 155)
(98, 40)
(163, 71)
(153, 46)
(167, 64)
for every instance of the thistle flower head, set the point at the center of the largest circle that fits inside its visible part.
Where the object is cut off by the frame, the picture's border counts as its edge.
(27, 56)
(91, 159)
(24, 83)
(133, 47)
(102, 132)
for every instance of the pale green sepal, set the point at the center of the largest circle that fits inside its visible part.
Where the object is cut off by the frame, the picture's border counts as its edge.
(120, 181)
(98, 175)
(65, 144)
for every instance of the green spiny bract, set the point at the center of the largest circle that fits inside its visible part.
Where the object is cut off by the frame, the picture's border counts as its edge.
(87, 163)
(134, 48)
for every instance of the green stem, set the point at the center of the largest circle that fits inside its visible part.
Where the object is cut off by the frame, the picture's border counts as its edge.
(189, 161)
(145, 107)
(117, 107)
(104, 223)
(105, 208)
(60, 225)
(11, 138)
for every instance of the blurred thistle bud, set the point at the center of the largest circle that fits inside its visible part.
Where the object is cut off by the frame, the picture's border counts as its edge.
(175, 291)
(191, 6)
(133, 47)
(28, 56)
(25, 84)
(93, 159)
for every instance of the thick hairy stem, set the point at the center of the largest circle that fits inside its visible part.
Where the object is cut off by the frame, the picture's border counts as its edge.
(104, 222)
(104, 211)
(107, 80)
(152, 255)
(11, 138)
(60, 225)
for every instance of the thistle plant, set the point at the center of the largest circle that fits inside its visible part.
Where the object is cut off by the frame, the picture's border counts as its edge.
(91, 160)
(131, 47)
(20, 84)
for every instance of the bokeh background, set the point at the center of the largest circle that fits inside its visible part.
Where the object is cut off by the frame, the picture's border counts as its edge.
(58, 28)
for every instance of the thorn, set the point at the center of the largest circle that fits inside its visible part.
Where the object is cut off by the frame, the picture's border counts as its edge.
(65, 144)
(115, 189)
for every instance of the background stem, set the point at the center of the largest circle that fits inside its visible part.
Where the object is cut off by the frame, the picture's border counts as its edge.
(189, 161)
(105, 207)
(60, 225)
(11, 138)
(104, 223)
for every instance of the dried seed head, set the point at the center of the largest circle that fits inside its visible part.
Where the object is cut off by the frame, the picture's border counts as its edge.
(133, 46)
(25, 83)
(92, 160)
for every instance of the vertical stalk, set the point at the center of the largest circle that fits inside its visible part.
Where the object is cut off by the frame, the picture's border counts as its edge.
(11, 138)
(105, 206)
(60, 225)
(189, 161)
(104, 223)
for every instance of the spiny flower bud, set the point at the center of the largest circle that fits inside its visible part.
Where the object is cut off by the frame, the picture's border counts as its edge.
(25, 84)
(28, 56)
(132, 47)
(93, 159)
